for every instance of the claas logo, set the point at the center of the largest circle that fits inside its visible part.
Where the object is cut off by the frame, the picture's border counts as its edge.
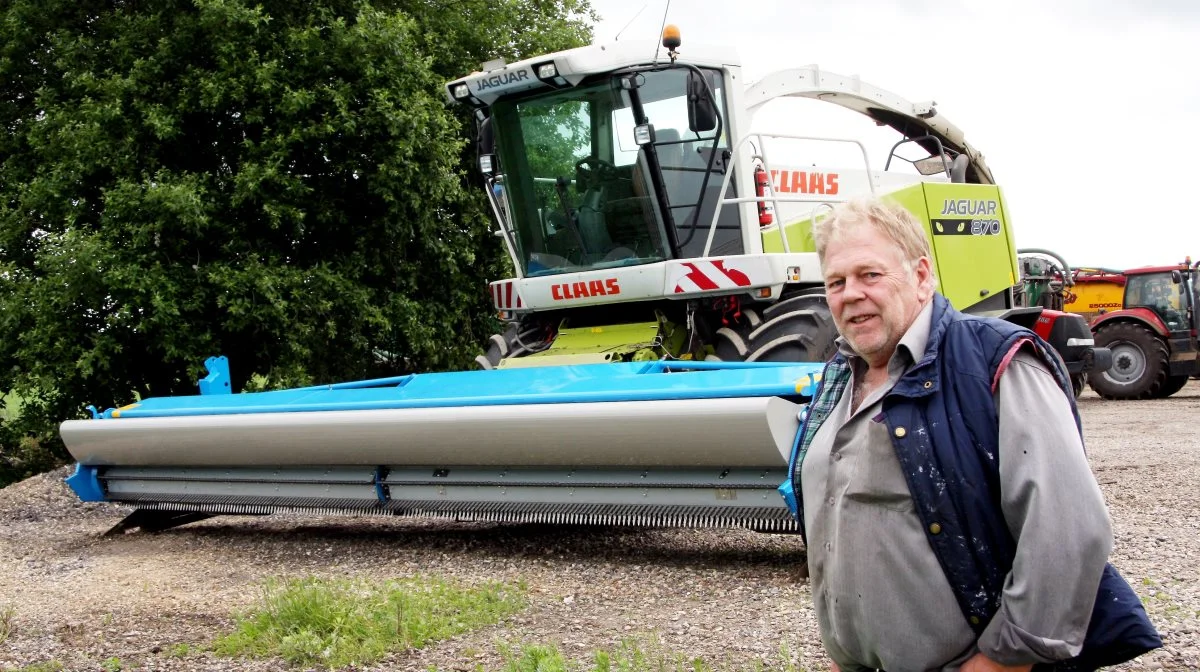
(579, 290)
(801, 182)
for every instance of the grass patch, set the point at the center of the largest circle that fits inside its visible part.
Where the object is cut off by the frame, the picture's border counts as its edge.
(181, 650)
(48, 666)
(6, 621)
(533, 658)
(341, 622)
(632, 655)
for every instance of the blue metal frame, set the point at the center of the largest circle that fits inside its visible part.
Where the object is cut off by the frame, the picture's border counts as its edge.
(86, 484)
(217, 381)
(632, 381)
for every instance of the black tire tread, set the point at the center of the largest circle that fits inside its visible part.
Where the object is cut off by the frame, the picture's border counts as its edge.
(730, 345)
(1173, 385)
(796, 329)
(1157, 362)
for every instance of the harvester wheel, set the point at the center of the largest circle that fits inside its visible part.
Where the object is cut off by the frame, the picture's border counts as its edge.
(507, 344)
(1173, 385)
(1140, 361)
(799, 329)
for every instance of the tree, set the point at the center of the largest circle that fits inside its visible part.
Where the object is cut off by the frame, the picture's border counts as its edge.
(275, 181)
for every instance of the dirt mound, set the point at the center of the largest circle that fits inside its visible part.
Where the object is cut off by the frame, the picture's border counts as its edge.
(43, 497)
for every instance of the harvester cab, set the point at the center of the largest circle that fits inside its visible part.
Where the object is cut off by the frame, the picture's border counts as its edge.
(618, 179)
(664, 325)
(636, 190)
(1152, 335)
(577, 183)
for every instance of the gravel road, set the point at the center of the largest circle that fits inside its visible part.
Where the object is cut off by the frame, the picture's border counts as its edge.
(732, 597)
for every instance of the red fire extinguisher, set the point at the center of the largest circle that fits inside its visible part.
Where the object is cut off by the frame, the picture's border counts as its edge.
(766, 211)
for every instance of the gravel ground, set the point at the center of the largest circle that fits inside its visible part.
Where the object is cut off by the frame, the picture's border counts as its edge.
(730, 596)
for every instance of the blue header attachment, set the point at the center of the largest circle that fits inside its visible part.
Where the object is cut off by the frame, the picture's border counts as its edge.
(629, 381)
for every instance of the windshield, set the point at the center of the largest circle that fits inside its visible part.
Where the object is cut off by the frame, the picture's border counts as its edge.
(1157, 292)
(579, 193)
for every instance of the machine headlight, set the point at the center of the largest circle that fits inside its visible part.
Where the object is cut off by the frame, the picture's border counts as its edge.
(643, 134)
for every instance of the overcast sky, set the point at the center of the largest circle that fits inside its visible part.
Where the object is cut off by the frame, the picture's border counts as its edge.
(1085, 111)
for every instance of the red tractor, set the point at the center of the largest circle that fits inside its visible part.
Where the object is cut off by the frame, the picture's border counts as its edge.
(1153, 336)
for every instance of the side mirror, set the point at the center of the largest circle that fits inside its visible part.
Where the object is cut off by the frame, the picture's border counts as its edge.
(702, 111)
(485, 145)
(1176, 277)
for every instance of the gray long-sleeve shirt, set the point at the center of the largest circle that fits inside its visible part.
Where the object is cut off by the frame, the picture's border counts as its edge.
(881, 598)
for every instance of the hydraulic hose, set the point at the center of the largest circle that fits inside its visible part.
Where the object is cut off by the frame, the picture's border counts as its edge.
(1068, 281)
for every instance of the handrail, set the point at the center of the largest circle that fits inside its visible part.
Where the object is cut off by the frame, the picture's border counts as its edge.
(775, 198)
(505, 223)
(823, 204)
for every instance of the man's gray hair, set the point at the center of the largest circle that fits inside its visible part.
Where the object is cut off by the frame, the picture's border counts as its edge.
(893, 221)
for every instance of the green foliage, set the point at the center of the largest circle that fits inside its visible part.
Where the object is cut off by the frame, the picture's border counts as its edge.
(643, 654)
(278, 182)
(112, 664)
(10, 407)
(337, 623)
(23, 455)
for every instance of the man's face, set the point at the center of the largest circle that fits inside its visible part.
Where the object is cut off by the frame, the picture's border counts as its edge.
(873, 296)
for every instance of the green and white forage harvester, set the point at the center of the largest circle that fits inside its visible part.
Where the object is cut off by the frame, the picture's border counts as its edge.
(665, 325)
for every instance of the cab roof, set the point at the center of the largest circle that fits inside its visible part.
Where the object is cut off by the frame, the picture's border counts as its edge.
(574, 65)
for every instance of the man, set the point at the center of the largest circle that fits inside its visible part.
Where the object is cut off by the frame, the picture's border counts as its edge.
(951, 519)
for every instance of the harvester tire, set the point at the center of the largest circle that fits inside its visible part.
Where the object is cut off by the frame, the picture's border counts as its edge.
(798, 329)
(1140, 362)
(507, 344)
(1173, 385)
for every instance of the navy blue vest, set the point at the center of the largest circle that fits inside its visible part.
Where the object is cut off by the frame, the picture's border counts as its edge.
(948, 450)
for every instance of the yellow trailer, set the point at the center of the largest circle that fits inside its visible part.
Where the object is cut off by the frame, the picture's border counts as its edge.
(1095, 292)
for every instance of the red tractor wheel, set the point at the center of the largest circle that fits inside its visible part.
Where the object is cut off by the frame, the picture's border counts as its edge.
(1140, 362)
